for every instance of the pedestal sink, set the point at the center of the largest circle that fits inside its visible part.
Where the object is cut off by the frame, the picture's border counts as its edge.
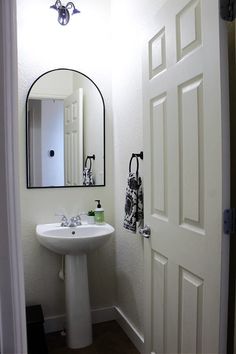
(75, 243)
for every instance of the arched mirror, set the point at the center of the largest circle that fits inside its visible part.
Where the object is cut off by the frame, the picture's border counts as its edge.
(65, 131)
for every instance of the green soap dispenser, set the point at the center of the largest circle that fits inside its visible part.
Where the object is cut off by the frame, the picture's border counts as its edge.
(99, 213)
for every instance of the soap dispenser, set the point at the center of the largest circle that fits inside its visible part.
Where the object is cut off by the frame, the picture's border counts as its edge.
(99, 213)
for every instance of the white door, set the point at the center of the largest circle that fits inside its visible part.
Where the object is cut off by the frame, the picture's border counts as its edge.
(73, 144)
(186, 179)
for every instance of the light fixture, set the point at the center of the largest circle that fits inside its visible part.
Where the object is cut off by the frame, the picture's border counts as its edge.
(63, 11)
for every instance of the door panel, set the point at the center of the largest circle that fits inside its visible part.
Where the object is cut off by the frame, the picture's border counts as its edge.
(190, 312)
(158, 158)
(74, 138)
(159, 300)
(184, 189)
(188, 28)
(191, 146)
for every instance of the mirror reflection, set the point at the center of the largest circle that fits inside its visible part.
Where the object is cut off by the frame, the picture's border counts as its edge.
(65, 131)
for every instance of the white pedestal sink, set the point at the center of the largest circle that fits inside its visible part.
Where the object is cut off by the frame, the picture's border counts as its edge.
(75, 243)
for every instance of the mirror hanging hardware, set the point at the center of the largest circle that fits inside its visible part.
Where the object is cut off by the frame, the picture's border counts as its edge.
(146, 231)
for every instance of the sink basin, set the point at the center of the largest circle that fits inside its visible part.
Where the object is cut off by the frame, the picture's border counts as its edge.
(73, 240)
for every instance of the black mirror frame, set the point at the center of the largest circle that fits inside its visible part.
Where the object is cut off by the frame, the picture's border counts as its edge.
(27, 135)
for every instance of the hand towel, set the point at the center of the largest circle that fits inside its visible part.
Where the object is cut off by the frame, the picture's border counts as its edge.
(133, 203)
(88, 179)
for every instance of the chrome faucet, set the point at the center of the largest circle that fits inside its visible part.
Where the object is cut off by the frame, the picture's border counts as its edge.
(74, 221)
(64, 221)
(70, 222)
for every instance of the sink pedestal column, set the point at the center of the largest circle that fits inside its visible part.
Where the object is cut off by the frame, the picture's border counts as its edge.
(78, 313)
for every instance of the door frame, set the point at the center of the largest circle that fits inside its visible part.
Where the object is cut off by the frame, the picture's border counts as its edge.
(12, 295)
(231, 345)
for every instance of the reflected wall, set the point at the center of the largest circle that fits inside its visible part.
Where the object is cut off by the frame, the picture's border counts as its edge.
(65, 128)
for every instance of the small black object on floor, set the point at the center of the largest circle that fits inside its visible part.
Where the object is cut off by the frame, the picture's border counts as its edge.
(35, 330)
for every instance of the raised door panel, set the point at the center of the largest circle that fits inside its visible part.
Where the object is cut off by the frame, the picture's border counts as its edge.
(191, 145)
(159, 156)
(188, 28)
(190, 312)
(157, 53)
(159, 303)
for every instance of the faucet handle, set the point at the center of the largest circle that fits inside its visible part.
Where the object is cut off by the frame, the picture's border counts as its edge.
(64, 220)
(78, 219)
(74, 221)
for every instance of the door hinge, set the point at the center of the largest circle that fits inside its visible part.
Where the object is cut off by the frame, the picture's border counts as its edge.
(228, 10)
(230, 221)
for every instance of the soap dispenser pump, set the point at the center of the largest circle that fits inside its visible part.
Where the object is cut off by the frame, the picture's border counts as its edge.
(99, 213)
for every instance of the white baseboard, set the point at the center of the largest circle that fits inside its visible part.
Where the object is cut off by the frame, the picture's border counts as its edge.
(103, 314)
(57, 323)
(134, 335)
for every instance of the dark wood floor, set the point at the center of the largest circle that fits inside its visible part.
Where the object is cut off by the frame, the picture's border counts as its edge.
(108, 338)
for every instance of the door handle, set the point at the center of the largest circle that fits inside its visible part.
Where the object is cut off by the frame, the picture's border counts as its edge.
(145, 232)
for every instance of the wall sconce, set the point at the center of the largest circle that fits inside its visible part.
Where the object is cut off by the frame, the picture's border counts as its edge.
(63, 11)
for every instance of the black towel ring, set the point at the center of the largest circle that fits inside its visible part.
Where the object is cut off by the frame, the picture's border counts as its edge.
(137, 162)
(90, 158)
(90, 163)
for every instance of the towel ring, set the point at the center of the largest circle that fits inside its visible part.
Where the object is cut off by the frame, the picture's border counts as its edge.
(90, 158)
(137, 162)
(90, 163)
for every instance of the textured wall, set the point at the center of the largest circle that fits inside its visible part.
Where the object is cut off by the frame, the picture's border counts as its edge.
(128, 137)
(82, 45)
(85, 45)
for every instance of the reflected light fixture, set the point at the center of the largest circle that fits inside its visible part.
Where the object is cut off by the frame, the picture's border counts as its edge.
(63, 11)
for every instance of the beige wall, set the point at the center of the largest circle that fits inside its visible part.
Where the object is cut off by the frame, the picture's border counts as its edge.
(84, 46)
(130, 20)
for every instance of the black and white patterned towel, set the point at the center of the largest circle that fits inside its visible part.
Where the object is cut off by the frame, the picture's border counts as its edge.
(133, 203)
(88, 179)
